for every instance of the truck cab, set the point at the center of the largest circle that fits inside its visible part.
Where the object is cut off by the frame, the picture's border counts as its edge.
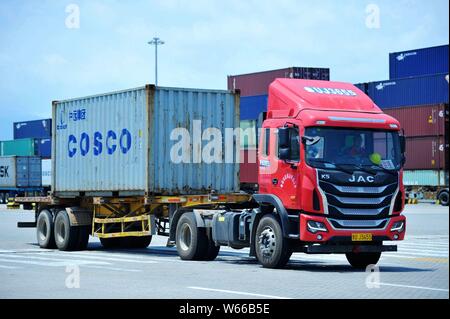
(334, 160)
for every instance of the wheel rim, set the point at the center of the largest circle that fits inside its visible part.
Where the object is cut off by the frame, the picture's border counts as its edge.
(267, 242)
(185, 237)
(61, 234)
(42, 230)
(444, 199)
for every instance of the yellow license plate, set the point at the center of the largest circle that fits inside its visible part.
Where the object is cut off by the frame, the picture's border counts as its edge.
(362, 237)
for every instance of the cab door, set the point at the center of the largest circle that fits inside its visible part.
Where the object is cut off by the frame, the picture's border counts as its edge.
(280, 176)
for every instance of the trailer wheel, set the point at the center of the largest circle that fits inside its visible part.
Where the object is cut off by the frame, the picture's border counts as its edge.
(191, 241)
(212, 251)
(83, 237)
(45, 230)
(135, 242)
(362, 260)
(66, 236)
(443, 198)
(2, 198)
(110, 243)
(272, 249)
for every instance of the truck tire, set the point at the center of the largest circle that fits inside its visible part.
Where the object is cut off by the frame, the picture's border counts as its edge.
(212, 251)
(110, 243)
(191, 241)
(83, 237)
(443, 198)
(272, 249)
(2, 198)
(135, 242)
(362, 260)
(45, 230)
(66, 236)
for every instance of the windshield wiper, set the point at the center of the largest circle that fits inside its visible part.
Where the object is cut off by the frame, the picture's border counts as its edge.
(387, 170)
(338, 166)
(371, 172)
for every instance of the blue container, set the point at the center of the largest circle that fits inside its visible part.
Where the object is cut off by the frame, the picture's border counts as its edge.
(33, 129)
(252, 106)
(44, 147)
(431, 89)
(418, 62)
(362, 86)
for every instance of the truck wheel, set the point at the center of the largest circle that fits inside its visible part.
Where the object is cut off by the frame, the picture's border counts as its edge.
(2, 198)
(135, 242)
(362, 260)
(212, 251)
(192, 242)
(272, 249)
(110, 243)
(443, 198)
(66, 236)
(83, 237)
(45, 230)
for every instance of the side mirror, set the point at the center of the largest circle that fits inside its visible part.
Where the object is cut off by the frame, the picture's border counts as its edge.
(402, 144)
(284, 151)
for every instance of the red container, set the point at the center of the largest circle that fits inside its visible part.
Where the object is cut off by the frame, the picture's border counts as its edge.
(249, 167)
(258, 83)
(426, 153)
(424, 120)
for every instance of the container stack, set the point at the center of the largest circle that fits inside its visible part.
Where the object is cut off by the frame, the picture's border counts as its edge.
(31, 138)
(417, 95)
(254, 90)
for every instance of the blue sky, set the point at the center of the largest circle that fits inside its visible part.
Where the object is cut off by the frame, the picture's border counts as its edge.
(42, 60)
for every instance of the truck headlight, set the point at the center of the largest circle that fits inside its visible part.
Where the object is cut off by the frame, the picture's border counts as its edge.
(398, 226)
(315, 227)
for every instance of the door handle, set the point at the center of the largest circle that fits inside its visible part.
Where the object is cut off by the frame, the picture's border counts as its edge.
(275, 181)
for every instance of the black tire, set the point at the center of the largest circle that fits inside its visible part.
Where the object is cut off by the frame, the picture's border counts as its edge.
(83, 237)
(444, 198)
(272, 249)
(45, 230)
(191, 241)
(212, 251)
(362, 260)
(135, 242)
(66, 236)
(110, 243)
(2, 198)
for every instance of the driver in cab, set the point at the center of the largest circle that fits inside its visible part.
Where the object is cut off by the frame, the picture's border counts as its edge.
(356, 149)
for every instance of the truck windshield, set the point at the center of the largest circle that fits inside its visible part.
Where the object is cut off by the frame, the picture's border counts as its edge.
(353, 148)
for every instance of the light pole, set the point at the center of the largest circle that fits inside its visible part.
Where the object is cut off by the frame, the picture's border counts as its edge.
(156, 41)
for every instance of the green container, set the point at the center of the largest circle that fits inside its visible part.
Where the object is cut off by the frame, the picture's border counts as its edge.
(20, 147)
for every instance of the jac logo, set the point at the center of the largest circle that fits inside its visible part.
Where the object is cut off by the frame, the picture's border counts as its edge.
(361, 179)
(4, 171)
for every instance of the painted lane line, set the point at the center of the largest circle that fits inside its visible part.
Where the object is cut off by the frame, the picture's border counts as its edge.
(9, 267)
(412, 287)
(46, 264)
(56, 260)
(443, 251)
(414, 253)
(238, 293)
(76, 255)
(424, 245)
(112, 268)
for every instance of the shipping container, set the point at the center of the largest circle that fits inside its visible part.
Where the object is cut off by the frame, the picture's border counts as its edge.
(46, 172)
(20, 147)
(257, 83)
(422, 120)
(252, 106)
(426, 153)
(363, 87)
(418, 62)
(33, 129)
(248, 134)
(425, 178)
(146, 140)
(20, 172)
(430, 89)
(44, 147)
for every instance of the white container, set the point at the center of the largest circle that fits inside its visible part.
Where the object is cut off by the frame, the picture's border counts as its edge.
(46, 172)
(119, 143)
(20, 172)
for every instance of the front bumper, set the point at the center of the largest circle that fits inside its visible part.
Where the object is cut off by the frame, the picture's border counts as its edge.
(341, 235)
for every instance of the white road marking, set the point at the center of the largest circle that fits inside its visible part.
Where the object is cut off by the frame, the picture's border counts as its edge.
(47, 264)
(112, 268)
(8, 267)
(412, 287)
(239, 293)
(86, 256)
(420, 253)
(414, 244)
(50, 261)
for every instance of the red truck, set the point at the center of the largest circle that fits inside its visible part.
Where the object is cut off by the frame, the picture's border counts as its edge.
(330, 182)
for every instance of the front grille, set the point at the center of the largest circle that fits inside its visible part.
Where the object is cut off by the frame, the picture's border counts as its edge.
(363, 201)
